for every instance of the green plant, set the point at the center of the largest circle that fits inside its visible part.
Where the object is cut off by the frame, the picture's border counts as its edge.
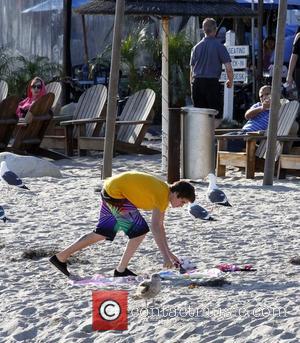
(179, 71)
(131, 48)
(17, 71)
(6, 63)
(27, 69)
(139, 41)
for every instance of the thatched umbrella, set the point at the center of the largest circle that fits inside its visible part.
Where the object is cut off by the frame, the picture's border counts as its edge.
(166, 9)
(219, 8)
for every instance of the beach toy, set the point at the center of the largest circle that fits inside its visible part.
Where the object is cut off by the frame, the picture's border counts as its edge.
(212, 273)
(228, 267)
(186, 265)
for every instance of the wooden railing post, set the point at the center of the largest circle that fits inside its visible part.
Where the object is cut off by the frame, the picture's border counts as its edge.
(174, 139)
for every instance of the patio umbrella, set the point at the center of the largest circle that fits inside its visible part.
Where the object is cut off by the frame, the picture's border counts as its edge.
(52, 5)
(165, 9)
(58, 5)
(271, 4)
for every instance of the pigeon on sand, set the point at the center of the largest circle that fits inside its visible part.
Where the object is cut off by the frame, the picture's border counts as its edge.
(10, 177)
(2, 214)
(148, 289)
(198, 212)
(214, 194)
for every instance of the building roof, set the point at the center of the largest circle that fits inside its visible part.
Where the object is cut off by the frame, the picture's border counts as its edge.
(203, 8)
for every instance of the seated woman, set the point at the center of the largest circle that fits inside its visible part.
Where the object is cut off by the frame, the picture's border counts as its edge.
(35, 90)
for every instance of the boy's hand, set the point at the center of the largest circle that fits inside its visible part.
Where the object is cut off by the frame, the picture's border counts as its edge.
(168, 264)
(171, 261)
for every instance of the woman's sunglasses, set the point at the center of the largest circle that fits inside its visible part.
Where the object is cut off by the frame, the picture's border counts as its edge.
(36, 86)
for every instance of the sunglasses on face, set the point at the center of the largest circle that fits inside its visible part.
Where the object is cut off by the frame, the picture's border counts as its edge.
(36, 86)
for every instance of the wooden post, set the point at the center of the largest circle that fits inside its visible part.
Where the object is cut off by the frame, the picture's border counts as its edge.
(228, 92)
(67, 63)
(165, 91)
(113, 91)
(275, 95)
(253, 55)
(174, 139)
(86, 54)
(260, 43)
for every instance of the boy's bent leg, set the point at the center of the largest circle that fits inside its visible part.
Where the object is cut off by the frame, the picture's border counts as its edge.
(59, 260)
(130, 249)
(82, 243)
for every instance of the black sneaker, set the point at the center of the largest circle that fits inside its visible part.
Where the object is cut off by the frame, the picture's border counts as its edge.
(61, 266)
(126, 272)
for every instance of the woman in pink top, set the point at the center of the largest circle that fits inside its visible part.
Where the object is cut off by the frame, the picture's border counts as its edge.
(35, 90)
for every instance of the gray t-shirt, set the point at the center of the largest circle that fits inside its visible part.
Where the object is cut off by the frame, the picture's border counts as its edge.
(207, 58)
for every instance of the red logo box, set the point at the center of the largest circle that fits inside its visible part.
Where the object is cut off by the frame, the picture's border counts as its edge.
(110, 310)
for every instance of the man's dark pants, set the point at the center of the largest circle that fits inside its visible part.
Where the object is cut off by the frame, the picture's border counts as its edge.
(206, 93)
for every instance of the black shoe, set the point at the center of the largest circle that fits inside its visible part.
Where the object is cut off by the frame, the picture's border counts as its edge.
(61, 266)
(126, 272)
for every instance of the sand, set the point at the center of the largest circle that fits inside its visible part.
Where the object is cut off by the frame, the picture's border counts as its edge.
(262, 228)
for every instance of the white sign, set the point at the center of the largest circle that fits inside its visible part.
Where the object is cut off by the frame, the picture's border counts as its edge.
(238, 50)
(239, 63)
(239, 76)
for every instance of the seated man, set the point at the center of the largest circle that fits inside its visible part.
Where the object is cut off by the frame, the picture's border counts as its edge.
(257, 116)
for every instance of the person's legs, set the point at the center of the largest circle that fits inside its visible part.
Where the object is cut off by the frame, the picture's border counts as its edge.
(214, 99)
(82, 243)
(198, 93)
(129, 251)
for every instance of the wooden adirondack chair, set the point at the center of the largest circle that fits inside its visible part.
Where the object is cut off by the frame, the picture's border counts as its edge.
(249, 158)
(31, 129)
(90, 105)
(131, 126)
(287, 161)
(55, 88)
(8, 120)
(3, 89)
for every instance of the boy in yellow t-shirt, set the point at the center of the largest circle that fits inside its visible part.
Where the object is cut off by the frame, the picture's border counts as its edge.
(122, 195)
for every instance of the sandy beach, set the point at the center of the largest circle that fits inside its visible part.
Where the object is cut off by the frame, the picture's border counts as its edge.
(38, 304)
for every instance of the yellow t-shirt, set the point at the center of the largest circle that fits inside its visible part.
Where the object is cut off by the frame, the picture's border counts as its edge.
(142, 190)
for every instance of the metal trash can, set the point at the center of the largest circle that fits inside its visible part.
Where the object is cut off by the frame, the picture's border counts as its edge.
(198, 142)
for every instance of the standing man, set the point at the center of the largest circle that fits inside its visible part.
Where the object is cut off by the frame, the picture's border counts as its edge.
(293, 74)
(206, 62)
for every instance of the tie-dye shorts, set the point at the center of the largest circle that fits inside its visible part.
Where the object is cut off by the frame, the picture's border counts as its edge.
(120, 215)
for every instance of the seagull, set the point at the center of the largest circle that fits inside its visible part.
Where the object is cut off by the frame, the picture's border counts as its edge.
(2, 214)
(148, 289)
(198, 212)
(10, 177)
(214, 194)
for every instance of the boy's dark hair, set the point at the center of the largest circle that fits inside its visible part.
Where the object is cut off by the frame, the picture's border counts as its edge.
(184, 190)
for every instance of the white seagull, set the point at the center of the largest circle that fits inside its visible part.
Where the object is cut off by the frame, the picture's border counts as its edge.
(148, 289)
(10, 177)
(214, 194)
(2, 214)
(198, 212)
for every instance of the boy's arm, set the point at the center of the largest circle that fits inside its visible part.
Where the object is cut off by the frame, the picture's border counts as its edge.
(158, 230)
